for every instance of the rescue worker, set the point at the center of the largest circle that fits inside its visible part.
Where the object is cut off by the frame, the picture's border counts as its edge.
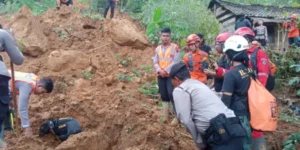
(63, 2)
(262, 70)
(110, 4)
(200, 43)
(166, 55)
(203, 114)
(196, 60)
(293, 31)
(222, 66)
(237, 82)
(27, 84)
(8, 45)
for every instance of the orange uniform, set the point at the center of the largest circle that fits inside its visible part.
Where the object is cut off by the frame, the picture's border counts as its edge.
(293, 29)
(194, 61)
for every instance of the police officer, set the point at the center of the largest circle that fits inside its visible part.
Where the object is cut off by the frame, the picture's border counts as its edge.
(8, 45)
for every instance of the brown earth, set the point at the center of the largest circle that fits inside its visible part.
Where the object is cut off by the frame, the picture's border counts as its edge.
(65, 45)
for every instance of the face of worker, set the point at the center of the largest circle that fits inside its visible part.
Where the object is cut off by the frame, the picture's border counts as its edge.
(175, 82)
(192, 47)
(219, 48)
(260, 22)
(201, 41)
(165, 38)
(197, 44)
(40, 89)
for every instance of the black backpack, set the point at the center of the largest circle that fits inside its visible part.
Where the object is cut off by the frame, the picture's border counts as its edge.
(271, 79)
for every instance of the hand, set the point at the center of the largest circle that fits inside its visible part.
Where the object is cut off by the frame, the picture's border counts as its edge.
(161, 73)
(28, 132)
(209, 72)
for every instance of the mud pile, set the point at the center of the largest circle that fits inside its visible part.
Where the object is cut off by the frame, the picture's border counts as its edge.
(84, 58)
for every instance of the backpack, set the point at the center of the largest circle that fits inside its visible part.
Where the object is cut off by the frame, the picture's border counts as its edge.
(262, 106)
(271, 79)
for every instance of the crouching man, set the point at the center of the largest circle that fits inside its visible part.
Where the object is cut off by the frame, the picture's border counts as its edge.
(212, 125)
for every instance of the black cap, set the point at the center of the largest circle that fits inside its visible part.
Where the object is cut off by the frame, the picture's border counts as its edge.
(177, 68)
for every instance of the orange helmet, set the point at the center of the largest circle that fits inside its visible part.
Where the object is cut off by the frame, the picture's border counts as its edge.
(192, 39)
(294, 16)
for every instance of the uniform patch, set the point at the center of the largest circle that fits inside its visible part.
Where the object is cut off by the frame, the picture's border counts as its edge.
(264, 62)
(221, 131)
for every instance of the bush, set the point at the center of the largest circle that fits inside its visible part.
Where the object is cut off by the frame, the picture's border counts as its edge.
(36, 7)
(184, 17)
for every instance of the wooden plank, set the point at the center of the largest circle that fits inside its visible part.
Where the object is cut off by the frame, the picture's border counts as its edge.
(228, 26)
(220, 10)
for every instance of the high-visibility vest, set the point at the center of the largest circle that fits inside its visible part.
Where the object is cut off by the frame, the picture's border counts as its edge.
(30, 78)
(195, 65)
(164, 60)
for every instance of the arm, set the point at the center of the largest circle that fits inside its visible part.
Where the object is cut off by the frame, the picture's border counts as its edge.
(11, 47)
(228, 89)
(155, 60)
(262, 67)
(220, 72)
(24, 90)
(176, 59)
(266, 32)
(182, 101)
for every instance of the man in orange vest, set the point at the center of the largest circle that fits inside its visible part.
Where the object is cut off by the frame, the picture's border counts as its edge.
(27, 84)
(166, 55)
(293, 31)
(196, 60)
(64, 2)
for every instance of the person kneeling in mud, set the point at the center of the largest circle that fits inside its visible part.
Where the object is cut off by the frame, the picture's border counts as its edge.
(212, 125)
(62, 128)
(63, 2)
(27, 84)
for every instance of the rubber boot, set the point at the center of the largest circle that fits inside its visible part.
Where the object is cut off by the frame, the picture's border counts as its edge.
(259, 143)
(165, 111)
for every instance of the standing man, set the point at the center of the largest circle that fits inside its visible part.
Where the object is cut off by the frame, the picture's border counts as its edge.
(261, 33)
(27, 84)
(110, 4)
(293, 31)
(166, 55)
(204, 115)
(8, 45)
(196, 60)
(63, 2)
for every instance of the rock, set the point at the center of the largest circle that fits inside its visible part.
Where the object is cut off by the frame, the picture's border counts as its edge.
(29, 33)
(125, 33)
(46, 115)
(67, 60)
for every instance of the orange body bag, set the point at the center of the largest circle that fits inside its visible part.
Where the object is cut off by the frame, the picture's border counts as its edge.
(263, 107)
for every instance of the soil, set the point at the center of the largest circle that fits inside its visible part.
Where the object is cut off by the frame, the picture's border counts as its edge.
(84, 57)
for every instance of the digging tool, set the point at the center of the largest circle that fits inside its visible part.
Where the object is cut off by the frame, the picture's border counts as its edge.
(14, 97)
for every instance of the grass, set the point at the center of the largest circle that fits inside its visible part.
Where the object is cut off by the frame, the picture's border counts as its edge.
(87, 74)
(59, 32)
(124, 78)
(84, 1)
(289, 117)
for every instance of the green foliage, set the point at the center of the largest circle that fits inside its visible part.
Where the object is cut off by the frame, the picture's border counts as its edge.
(84, 1)
(289, 116)
(60, 33)
(146, 68)
(182, 16)
(37, 7)
(87, 74)
(149, 89)
(20, 44)
(125, 78)
(135, 6)
(126, 61)
(291, 141)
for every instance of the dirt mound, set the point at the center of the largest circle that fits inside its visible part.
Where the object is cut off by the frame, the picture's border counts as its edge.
(29, 32)
(86, 59)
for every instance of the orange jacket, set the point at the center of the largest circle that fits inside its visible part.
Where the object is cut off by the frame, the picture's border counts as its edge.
(293, 29)
(194, 63)
(25, 77)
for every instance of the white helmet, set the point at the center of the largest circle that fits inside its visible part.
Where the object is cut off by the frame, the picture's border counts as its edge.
(237, 43)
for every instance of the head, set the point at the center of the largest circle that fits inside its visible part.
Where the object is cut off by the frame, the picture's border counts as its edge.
(201, 39)
(294, 17)
(46, 127)
(191, 42)
(246, 32)
(44, 85)
(179, 73)
(165, 35)
(235, 49)
(220, 40)
(260, 22)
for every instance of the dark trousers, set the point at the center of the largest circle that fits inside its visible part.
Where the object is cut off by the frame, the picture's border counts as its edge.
(262, 42)
(165, 88)
(111, 4)
(234, 144)
(293, 41)
(4, 100)
(69, 2)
